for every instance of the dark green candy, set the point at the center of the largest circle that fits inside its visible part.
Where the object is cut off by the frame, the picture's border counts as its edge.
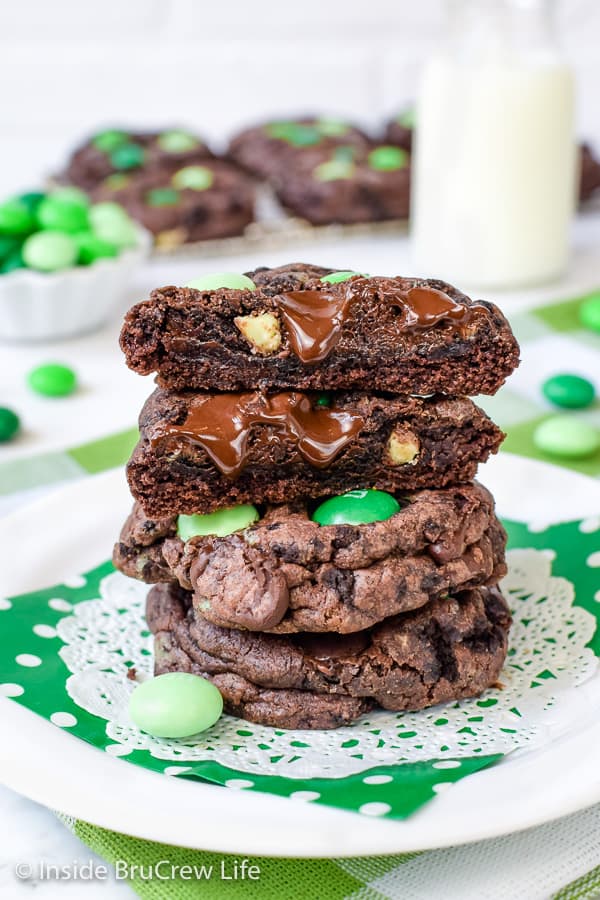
(324, 400)
(127, 156)
(569, 391)
(9, 424)
(356, 508)
(388, 159)
(8, 245)
(16, 218)
(92, 248)
(162, 197)
(12, 261)
(31, 199)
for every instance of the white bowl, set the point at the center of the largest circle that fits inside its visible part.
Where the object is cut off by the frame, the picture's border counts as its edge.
(37, 306)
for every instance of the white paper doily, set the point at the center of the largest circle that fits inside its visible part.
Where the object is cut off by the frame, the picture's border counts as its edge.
(547, 661)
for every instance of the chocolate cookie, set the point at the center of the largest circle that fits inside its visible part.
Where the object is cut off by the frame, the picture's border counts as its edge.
(402, 335)
(288, 574)
(453, 647)
(400, 130)
(348, 186)
(115, 154)
(207, 200)
(201, 452)
(267, 150)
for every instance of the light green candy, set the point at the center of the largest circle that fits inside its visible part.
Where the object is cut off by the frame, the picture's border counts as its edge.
(216, 280)
(71, 195)
(408, 118)
(49, 251)
(388, 159)
(177, 141)
(221, 522)
(195, 178)
(589, 313)
(175, 705)
(567, 438)
(332, 127)
(334, 170)
(110, 223)
(337, 277)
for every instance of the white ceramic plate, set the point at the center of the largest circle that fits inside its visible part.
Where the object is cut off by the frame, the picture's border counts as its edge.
(73, 529)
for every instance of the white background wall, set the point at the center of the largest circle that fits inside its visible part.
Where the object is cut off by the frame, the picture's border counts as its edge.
(70, 66)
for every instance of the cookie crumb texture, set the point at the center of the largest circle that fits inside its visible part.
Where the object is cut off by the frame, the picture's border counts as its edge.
(453, 648)
(288, 574)
(388, 443)
(377, 340)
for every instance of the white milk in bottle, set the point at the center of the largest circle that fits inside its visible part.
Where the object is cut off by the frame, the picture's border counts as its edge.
(495, 158)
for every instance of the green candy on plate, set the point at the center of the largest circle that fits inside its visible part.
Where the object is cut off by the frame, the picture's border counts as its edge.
(215, 280)
(175, 705)
(49, 251)
(356, 508)
(31, 199)
(59, 213)
(220, 523)
(52, 380)
(91, 248)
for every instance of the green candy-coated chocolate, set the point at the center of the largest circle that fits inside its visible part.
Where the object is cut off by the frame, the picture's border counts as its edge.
(8, 245)
(177, 141)
(61, 214)
(332, 127)
(52, 380)
(127, 156)
(295, 133)
(324, 400)
(162, 197)
(12, 261)
(567, 438)
(107, 141)
(92, 248)
(71, 194)
(356, 508)
(16, 218)
(49, 251)
(116, 181)
(175, 705)
(215, 280)
(110, 223)
(337, 277)
(344, 154)
(589, 313)
(569, 391)
(31, 199)
(194, 178)
(334, 170)
(388, 159)
(221, 522)
(408, 118)
(9, 424)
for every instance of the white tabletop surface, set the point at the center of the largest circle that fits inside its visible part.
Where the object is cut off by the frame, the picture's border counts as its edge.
(109, 399)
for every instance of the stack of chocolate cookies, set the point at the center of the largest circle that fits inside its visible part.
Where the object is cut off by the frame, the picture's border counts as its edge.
(304, 494)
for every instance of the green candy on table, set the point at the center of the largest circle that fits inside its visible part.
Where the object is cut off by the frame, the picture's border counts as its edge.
(570, 391)
(566, 437)
(177, 141)
(337, 277)
(194, 178)
(52, 380)
(91, 248)
(221, 522)
(162, 197)
(31, 199)
(334, 170)
(388, 159)
(127, 156)
(357, 508)
(59, 213)
(175, 705)
(49, 251)
(107, 141)
(589, 313)
(9, 424)
(16, 218)
(215, 280)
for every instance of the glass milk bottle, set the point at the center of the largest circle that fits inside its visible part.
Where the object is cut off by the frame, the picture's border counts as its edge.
(495, 159)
